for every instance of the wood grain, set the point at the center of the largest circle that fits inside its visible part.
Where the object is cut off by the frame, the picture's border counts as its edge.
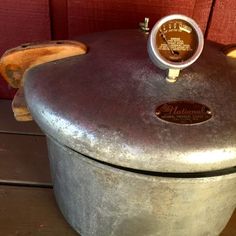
(14, 62)
(31, 212)
(223, 21)
(38, 214)
(9, 125)
(100, 15)
(24, 158)
(230, 229)
(19, 106)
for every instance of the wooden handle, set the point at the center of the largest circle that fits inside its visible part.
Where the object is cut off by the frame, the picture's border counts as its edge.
(230, 51)
(19, 106)
(16, 61)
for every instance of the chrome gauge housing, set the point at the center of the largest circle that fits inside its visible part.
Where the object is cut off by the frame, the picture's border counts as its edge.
(175, 42)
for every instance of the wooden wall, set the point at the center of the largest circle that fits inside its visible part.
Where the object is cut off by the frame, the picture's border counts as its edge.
(26, 21)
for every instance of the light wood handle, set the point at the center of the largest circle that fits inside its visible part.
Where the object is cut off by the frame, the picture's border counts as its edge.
(230, 51)
(19, 106)
(16, 61)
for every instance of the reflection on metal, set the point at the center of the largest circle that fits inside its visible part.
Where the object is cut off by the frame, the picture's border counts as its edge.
(172, 75)
(202, 156)
(116, 123)
(97, 199)
(175, 42)
(144, 25)
(118, 169)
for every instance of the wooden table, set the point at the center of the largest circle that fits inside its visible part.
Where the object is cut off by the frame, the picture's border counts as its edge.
(27, 204)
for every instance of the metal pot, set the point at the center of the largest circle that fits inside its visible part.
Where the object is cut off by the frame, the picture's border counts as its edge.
(119, 168)
(100, 199)
(133, 151)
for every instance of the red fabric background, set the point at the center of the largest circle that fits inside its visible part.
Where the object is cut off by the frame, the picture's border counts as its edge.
(21, 21)
(26, 21)
(222, 27)
(94, 15)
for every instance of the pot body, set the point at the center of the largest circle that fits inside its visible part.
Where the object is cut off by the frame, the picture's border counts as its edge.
(101, 200)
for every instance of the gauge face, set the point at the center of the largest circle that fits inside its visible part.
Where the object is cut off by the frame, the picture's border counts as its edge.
(176, 41)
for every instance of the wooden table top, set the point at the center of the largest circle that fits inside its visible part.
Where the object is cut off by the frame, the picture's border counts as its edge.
(27, 204)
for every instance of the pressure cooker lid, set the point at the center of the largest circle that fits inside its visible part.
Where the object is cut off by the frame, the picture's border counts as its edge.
(114, 105)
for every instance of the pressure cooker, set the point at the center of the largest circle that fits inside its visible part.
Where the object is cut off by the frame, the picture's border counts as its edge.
(140, 127)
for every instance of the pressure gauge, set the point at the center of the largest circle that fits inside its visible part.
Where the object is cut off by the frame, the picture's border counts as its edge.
(175, 42)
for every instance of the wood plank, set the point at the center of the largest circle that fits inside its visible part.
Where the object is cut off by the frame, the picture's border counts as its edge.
(24, 159)
(8, 124)
(6, 91)
(93, 15)
(38, 214)
(230, 229)
(59, 19)
(31, 211)
(223, 21)
(22, 21)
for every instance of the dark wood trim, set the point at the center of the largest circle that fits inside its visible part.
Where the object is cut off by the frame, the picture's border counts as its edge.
(8, 124)
(31, 211)
(24, 160)
(210, 18)
(201, 13)
(58, 10)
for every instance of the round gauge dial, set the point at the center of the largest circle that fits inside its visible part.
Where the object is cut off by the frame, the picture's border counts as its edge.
(176, 41)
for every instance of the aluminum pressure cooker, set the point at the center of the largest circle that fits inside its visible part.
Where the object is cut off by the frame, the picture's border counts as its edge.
(141, 131)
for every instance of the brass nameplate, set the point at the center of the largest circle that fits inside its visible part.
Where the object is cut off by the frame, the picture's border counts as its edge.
(183, 112)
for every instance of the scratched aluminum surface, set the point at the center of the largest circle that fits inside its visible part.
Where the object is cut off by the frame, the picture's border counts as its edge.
(103, 105)
(99, 200)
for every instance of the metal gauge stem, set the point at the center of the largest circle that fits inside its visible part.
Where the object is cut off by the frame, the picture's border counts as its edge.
(175, 42)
